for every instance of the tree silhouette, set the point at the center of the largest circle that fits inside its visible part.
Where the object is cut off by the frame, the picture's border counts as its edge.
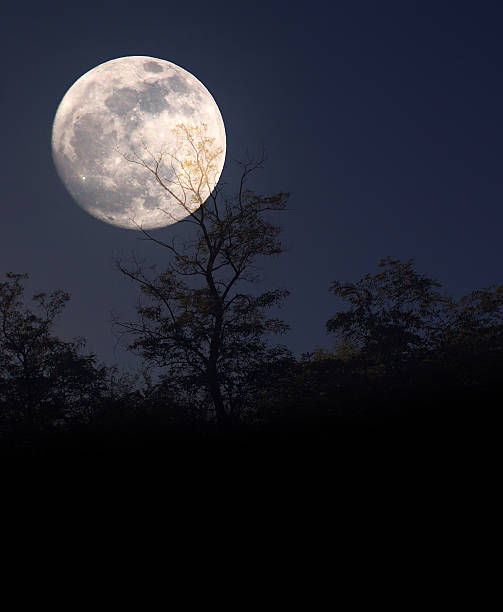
(42, 378)
(471, 348)
(414, 351)
(394, 317)
(196, 320)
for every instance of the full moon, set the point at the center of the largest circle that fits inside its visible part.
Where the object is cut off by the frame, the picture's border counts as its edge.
(122, 117)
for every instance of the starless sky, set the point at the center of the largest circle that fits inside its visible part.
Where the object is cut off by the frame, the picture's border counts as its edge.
(383, 120)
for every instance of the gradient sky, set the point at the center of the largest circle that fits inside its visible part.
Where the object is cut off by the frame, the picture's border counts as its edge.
(383, 120)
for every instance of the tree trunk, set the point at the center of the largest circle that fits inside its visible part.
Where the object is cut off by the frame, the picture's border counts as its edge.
(222, 417)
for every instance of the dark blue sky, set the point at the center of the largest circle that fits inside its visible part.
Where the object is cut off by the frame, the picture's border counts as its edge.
(383, 120)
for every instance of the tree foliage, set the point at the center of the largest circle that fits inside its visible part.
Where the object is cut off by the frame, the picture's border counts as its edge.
(393, 316)
(401, 324)
(407, 358)
(42, 378)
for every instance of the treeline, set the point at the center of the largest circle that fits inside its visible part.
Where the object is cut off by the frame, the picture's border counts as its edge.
(405, 356)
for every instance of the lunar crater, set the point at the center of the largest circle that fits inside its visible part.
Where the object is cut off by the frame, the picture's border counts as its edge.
(152, 67)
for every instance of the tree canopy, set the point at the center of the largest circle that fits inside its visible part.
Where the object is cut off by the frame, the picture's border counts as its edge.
(43, 378)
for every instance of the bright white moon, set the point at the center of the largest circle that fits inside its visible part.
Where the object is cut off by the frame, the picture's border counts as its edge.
(129, 108)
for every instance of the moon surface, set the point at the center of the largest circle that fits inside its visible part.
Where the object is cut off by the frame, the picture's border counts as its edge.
(123, 114)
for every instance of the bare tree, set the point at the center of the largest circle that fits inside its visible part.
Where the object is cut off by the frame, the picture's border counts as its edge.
(196, 319)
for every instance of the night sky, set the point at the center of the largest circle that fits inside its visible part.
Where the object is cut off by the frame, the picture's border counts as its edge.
(382, 119)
